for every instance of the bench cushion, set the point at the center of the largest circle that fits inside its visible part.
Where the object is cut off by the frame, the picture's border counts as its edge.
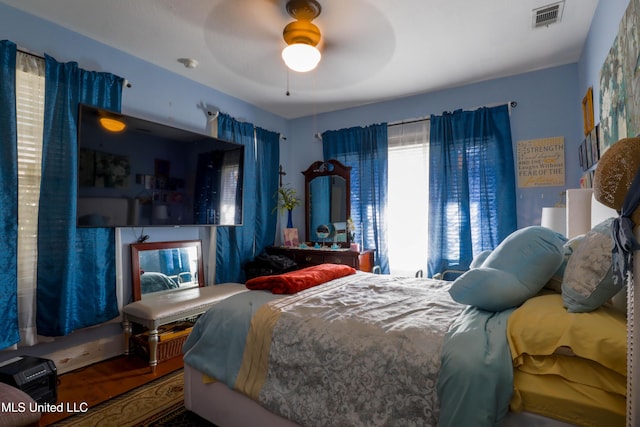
(188, 302)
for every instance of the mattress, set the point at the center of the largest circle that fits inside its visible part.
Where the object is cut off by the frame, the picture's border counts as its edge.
(296, 357)
(222, 406)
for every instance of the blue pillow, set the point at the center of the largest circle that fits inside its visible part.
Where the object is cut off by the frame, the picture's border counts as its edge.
(514, 272)
(479, 259)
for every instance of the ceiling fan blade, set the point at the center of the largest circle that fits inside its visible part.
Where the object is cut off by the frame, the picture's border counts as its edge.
(248, 20)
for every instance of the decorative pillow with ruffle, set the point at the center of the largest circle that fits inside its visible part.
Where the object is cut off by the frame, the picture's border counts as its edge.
(588, 278)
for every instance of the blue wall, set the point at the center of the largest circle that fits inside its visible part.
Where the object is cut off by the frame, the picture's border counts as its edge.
(547, 107)
(549, 101)
(156, 94)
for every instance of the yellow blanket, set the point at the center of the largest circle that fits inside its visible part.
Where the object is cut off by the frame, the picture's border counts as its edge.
(255, 359)
(574, 403)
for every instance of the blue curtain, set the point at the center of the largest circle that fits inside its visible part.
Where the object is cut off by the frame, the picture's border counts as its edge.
(173, 262)
(237, 245)
(472, 197)
(267, 166)
(8, 197)
(365, 150)
(76, 266)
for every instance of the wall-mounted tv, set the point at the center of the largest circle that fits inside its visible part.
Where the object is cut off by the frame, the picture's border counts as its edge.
(150, 174)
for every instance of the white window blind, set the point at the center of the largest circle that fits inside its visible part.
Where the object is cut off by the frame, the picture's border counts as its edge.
(230, 176)
(408, 196)
(30, 116)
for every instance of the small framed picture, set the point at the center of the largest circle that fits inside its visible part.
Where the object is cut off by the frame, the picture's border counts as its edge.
(291, 237)
(581, 156)
(585, 154)
(601, 146)
(595, 145)
(587, 111)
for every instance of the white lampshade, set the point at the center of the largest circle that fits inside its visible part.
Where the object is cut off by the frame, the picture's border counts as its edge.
(301, 57)
(600, 212)
(579, 211)
(555, 219)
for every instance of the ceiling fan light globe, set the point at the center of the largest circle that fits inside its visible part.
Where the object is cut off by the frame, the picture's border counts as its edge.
(301, 57)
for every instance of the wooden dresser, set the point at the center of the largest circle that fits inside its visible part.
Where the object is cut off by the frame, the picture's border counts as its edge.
(307, 257)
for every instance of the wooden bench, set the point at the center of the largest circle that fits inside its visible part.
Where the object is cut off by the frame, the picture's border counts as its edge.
(154, 311)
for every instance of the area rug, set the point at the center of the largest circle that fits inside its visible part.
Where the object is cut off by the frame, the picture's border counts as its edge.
(158, 403)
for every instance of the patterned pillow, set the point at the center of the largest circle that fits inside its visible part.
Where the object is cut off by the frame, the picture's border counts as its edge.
(555, 283)
(588, 278)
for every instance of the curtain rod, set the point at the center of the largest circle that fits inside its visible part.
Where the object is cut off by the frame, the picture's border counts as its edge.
(125, 82)
(406, 122)
(30, 53)
(512, 104)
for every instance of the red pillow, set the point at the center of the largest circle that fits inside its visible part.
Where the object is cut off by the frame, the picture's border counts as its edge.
(299, 280)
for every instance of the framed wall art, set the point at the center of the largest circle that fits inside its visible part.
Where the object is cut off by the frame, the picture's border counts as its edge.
(587, 111)
(620, 82)
(541, 162)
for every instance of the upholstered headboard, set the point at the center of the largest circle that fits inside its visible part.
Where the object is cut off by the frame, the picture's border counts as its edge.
(584, 211)
(633, 340)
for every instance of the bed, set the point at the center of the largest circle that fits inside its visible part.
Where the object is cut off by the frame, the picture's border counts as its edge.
(364, 349)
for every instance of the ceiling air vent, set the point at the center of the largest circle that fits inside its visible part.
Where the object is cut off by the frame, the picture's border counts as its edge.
(547, 15)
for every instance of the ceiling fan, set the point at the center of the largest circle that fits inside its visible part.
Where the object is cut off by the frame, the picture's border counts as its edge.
(302, 36)
(247, 36)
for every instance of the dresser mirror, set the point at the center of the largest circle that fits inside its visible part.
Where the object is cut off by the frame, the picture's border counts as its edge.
(162, 267)
(327, 201)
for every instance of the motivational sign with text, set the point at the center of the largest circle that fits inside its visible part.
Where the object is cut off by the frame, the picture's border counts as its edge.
(541, 162)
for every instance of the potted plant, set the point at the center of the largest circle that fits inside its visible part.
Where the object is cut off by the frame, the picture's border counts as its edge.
(287, 200)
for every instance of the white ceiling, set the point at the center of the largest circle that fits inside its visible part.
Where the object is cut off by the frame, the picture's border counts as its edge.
(372, 50)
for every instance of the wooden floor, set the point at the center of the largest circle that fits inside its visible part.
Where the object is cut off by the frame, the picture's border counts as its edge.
(97, 383)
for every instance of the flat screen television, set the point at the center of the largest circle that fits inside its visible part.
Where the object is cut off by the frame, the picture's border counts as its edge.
(150, 174)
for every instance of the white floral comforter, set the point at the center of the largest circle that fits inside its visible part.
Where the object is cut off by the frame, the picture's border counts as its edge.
(361, 350)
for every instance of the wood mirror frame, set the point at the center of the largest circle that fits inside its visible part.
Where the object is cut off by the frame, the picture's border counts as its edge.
(137, 270)
(317, 169)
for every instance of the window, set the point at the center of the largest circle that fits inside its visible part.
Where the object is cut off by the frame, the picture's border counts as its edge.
(408, 197)
(30, 117)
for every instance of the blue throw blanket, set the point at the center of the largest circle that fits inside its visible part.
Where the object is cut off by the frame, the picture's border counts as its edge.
(216, 343)
(476, 377)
